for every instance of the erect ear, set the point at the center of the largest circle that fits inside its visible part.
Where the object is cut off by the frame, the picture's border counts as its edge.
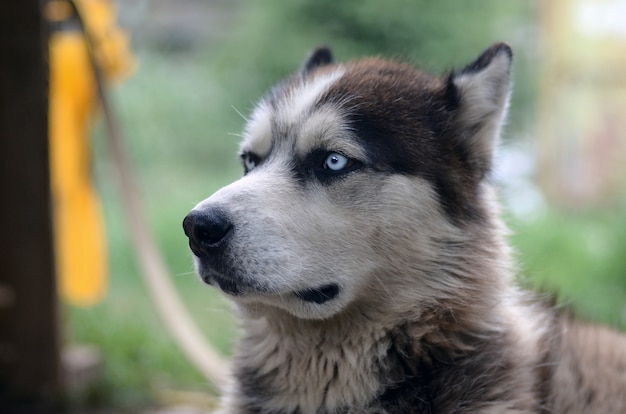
(481, 94)
(320, 56)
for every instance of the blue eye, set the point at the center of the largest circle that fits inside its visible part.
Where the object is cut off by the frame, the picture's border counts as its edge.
(337, 162)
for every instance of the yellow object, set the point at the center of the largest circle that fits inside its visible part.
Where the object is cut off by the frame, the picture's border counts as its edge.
(79, 226)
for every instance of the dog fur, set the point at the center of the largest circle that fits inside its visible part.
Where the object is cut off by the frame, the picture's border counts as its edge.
(365, 255)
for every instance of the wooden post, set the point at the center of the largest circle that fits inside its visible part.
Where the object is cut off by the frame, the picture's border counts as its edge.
(29, 335)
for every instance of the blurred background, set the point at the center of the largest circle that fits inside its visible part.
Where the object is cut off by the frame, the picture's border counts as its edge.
(196, 66)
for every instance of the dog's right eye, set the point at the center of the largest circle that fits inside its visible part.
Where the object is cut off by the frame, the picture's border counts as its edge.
(250, 161)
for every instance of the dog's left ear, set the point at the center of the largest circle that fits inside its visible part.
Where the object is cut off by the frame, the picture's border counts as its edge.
(320, 56)
(480, 93)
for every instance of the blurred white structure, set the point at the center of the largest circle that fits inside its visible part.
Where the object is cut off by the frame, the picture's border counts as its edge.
(581, 137)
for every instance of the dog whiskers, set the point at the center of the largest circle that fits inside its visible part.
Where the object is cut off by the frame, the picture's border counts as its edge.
(239, 113)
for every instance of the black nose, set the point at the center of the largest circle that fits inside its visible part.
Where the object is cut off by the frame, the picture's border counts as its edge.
(206, 230)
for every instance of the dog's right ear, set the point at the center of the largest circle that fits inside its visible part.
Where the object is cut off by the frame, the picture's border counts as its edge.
(320, 56)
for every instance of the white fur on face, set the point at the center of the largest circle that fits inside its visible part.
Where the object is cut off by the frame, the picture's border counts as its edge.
(300, 99)
(288, 237)
(294, 109)
(326, 128)
(258, 131)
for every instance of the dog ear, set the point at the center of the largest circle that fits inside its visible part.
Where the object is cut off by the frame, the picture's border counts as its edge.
(320, 56)
(480, 93)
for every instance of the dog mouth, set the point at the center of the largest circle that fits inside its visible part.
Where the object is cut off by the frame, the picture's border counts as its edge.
(230, 285)
(318, 295)
(233, 287)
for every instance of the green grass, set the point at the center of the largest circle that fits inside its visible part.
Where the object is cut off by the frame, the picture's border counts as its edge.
(581, 258)
(178, 116)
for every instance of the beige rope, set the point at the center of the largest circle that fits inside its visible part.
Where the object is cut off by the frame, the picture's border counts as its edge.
(153, 269)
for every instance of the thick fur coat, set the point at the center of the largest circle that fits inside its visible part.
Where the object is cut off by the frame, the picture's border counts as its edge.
(365, 255)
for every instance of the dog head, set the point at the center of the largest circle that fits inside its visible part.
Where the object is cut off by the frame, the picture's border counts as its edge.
(363, 184)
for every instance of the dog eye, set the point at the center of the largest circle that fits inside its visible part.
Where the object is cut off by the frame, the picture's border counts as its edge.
(337, 162)
(250, 161)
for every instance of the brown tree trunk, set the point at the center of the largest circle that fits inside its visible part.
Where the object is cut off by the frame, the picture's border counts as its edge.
(29, 335)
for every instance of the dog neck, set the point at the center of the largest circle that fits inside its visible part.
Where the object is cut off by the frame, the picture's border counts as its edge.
(291, 365)
(287, 365)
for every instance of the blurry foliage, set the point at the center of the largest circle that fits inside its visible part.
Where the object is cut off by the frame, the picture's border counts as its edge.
(437, 36)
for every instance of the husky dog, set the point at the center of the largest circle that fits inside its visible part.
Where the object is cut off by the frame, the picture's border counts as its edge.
(365, 255)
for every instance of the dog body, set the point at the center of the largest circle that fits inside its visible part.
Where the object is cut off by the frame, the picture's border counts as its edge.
(366, 258)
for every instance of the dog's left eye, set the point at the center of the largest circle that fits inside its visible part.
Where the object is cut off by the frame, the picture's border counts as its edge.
(250, 161)
(337, 162)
